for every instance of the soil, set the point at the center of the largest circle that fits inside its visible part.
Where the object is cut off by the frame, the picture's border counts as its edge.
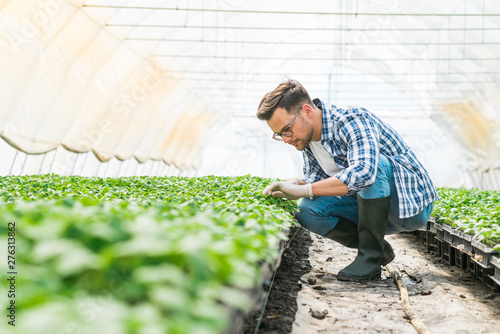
(306, 297)
(281, 306)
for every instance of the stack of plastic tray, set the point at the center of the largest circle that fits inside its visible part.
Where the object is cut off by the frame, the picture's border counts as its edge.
(427, 235)
(432, 243)
(447, 249)
(482, 255)
(460, 249)
(462, 242)
(439, 238)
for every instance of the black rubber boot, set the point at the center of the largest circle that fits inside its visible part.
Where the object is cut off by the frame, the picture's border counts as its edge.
(373, 216)
(346, 234)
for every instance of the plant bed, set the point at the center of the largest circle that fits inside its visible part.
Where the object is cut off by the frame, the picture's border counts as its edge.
(173, 255)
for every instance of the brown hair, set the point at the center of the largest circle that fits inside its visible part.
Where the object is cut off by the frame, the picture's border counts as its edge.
(289, 95)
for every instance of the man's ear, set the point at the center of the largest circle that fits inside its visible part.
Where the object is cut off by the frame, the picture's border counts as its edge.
(308, 110)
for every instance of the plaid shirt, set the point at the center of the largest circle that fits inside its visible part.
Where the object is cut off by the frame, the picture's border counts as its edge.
(355, 137)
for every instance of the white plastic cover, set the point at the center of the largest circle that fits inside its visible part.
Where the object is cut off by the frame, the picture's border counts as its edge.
(148, 78)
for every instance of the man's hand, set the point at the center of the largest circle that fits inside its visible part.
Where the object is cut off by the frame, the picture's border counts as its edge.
(289, 189)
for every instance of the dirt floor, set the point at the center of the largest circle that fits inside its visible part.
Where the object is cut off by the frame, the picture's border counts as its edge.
(307, 298)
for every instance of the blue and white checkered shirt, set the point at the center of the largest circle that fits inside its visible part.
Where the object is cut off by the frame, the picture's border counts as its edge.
(355, 137)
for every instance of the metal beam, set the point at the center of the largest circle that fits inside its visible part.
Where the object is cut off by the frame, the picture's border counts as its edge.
(247, 11)
(320, 59)
(202, 41)
(325, 74)
(357, 83)
(347, 29)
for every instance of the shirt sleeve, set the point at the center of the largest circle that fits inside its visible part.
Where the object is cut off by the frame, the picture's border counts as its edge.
(312, 170)
(362, 140)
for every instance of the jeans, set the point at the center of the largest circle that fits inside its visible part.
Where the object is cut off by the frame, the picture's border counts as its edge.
(321, 214)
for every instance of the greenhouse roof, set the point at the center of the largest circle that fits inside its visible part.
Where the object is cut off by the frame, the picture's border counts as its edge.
(155, 79)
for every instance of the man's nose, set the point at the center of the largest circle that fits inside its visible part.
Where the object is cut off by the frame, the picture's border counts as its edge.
(287, 139)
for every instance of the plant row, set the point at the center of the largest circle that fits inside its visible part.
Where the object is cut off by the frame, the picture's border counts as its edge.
(476, 212)
(139, 254)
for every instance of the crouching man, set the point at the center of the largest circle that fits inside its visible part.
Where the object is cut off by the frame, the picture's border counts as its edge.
(361, 180)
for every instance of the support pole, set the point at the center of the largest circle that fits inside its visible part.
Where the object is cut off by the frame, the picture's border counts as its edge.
(13, 162)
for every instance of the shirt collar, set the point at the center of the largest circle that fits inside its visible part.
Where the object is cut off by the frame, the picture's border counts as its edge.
(327, 121)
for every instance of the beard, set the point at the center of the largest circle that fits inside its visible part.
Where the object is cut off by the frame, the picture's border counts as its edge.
(301, 144)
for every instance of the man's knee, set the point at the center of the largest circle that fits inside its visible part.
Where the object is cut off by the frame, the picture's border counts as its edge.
(312, 218)
(306, 209)
(304, 203)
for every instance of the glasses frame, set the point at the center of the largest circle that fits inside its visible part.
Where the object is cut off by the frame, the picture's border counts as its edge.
(279, 136)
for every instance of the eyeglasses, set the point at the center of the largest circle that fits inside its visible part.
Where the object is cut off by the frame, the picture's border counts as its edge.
(287, 132)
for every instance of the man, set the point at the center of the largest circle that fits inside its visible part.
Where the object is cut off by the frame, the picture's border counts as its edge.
(361, 180)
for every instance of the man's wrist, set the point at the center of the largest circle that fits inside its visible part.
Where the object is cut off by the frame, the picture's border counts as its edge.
(308, 190)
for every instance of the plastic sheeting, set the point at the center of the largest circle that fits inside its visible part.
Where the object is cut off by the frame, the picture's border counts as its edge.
(67, 81)
(148, 78)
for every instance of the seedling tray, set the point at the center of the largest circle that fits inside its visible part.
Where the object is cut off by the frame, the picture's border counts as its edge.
(447, 234)
(495, 261)
(482, 253)
(484, 274)
(428, 235)
(431, 225)
(461, 259)
(447, 253)
(439, 231)
(432, 244)
(462, 240)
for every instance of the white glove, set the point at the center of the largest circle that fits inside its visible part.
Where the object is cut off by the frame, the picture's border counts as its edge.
(289, 189)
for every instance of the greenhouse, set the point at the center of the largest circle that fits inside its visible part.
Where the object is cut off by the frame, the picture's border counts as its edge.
(230, 166)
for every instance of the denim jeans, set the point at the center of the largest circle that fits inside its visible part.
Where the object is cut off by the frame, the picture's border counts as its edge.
(321, 214)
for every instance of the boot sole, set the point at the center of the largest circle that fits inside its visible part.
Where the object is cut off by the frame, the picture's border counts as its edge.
(374, 277)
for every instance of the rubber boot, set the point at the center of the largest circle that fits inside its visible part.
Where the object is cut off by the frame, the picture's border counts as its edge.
(346, 234)
(373, 216)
